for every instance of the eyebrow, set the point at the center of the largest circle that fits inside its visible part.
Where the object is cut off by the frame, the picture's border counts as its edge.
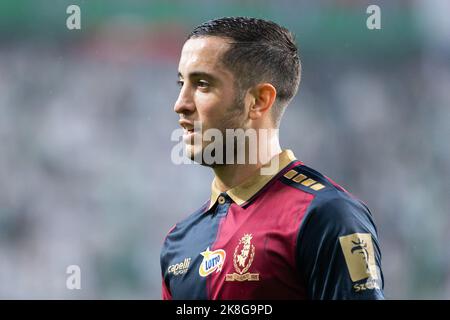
(197, 74)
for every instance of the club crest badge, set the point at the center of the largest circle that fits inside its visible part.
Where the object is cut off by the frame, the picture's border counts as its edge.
(242, 261)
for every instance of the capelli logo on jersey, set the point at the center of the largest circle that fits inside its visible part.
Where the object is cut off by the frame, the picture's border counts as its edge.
(212, 261)
(244, 253)
(179, 268)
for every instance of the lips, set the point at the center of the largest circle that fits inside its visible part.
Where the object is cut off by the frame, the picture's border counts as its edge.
(186, 125)
(189, 132)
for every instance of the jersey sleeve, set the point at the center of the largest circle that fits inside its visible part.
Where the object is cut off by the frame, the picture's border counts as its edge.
(165, 292)
(338, 253)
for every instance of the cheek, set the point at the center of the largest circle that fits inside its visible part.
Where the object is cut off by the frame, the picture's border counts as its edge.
(210, 108)
(217, 109)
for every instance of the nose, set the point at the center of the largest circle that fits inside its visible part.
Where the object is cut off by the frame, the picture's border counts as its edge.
(185, 103)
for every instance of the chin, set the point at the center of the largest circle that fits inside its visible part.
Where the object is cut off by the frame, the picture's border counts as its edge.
(198, 155)
(193, 154)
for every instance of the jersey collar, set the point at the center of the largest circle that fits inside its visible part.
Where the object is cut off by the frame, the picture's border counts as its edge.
(243, 192)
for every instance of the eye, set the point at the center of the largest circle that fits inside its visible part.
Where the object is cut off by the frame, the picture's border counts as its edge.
(180, 83)
(202, 84)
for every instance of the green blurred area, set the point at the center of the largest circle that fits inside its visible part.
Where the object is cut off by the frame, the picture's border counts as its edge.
(339, 26)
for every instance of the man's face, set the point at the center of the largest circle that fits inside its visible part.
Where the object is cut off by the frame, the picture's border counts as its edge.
(207, 91)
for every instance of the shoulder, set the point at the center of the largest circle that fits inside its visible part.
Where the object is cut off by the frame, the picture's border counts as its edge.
(180, 227)
(177, 235)
(331, 205)
(308, 180)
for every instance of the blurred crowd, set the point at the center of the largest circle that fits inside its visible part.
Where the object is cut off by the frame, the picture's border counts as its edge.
(86, 176)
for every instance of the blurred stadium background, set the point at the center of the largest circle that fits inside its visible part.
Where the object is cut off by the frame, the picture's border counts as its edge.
(86, 119)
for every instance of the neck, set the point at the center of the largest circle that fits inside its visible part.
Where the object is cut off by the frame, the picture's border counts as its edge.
(231, 175)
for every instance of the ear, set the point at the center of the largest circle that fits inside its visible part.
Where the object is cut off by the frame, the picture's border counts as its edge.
(263, 96)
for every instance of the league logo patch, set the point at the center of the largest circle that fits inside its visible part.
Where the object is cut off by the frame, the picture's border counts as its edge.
(242, 260)
(359, 256)
(212, 261)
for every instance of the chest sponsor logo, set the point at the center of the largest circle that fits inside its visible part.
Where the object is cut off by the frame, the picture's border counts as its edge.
(244, 253)
(179, 268)
(359, 256)
(212, 261)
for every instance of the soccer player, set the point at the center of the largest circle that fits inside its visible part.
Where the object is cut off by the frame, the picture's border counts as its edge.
(290, 234)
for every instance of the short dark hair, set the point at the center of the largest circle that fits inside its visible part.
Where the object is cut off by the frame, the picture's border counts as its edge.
(260, 51)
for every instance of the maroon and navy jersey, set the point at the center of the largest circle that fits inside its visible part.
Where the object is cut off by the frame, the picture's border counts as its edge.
(292, 235)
